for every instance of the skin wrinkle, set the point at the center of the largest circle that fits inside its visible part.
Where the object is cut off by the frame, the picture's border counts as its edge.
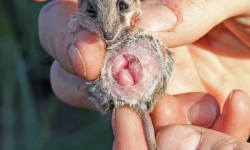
(194, 64)
(187, 68)
(241, 146)
(196, 67)
(224, 61)
(228, 73)
(224, 71)
(225, 38)
(198, 73)
(228, 66)
(201, 6)
(240, 28)
(214, 89)
(224, 144)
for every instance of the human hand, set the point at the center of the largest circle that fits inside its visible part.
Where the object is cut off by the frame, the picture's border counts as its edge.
(216, 63)
(213, 64)
(184, 137)
(199, 109)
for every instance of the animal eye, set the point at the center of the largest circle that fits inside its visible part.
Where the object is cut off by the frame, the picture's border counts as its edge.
(122, 6)
(91, 11)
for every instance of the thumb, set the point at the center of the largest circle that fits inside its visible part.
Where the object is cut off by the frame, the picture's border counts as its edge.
(193, 137)
(182, 22)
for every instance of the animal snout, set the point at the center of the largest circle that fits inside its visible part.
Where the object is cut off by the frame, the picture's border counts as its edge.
(108, 36)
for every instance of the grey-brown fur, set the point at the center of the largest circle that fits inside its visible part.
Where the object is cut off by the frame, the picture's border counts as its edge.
(105, 101)
(108, 19)
(101, 88)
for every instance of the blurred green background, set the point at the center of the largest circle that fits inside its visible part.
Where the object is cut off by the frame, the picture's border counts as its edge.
(31, 117)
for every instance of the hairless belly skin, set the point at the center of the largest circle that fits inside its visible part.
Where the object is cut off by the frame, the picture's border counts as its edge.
(136, 72)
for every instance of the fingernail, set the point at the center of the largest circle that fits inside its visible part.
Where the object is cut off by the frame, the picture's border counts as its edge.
(76, 61)
(231, 94)
(202, 113)
(157, 18)
(113, 121)
(180, 137)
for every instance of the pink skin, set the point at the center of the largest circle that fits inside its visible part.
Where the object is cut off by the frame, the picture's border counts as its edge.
(127, 71)
(130, 69)
(125, 78)
(229, 66)
(169, 126)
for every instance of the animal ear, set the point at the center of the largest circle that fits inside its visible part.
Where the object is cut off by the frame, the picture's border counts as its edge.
(139, 2)
(80, 2)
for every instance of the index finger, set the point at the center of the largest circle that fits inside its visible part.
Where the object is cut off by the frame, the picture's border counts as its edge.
(128, 130)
